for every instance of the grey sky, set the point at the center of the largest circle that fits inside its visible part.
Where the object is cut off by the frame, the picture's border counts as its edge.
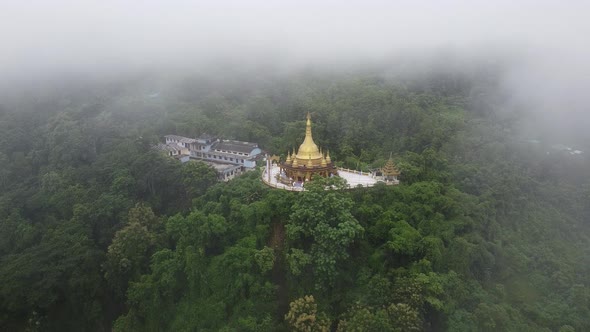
(550, 37)
(61, 34)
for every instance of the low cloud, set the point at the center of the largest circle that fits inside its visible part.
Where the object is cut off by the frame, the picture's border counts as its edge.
(546, 41)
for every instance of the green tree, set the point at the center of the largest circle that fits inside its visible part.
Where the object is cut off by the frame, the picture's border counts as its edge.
(197, 177)
(323, 218)
(303, 316)
(128, 255)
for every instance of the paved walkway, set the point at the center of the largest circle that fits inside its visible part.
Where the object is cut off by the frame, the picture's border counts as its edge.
(353, 178)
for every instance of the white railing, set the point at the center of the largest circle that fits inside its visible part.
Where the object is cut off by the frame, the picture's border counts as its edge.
(278, 185)
(354, 171)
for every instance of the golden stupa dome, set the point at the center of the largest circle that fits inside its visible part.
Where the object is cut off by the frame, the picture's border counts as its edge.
(309, 162)
(308, 149)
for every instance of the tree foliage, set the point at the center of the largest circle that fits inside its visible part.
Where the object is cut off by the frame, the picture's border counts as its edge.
(100, 232)
(303, 316)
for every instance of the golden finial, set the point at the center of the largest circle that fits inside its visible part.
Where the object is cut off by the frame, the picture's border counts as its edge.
(288, 161)
(328, 159)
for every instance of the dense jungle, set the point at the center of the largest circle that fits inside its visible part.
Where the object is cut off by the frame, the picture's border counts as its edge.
(488, 229)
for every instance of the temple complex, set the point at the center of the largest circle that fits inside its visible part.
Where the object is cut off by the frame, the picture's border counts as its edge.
(308, 162)
(228, 157)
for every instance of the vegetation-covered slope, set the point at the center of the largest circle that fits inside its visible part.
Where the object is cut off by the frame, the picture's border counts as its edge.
(485, 233)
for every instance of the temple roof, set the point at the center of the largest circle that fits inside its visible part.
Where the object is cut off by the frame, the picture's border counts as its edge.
(389, 169)
(181, 139)
(170, 147)
(235, 146)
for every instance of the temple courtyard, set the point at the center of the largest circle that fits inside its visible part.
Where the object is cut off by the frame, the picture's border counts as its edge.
(353, 178)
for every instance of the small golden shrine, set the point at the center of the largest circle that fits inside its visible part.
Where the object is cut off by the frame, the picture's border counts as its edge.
(390, 171)
(308, 161)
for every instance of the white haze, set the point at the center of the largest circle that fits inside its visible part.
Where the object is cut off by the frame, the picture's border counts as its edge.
(547, 41)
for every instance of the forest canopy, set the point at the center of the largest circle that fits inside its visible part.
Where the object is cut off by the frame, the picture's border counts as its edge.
(487, 231)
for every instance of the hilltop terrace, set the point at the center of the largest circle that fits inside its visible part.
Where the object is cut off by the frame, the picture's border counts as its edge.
(310, 161)
(354, 179)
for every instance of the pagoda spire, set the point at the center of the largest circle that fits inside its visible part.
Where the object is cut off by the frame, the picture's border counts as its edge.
(308, 127)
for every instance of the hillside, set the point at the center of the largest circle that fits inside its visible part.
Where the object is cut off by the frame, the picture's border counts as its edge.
(487, 231)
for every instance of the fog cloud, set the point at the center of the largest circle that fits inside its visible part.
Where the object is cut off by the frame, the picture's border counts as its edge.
(65, 34)
(547, 39)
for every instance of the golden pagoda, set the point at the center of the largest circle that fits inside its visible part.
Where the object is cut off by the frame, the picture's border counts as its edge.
(390, 171)
(308, 161)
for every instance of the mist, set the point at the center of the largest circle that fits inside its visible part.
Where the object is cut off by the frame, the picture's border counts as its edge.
(540, 44)
(439, 183)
